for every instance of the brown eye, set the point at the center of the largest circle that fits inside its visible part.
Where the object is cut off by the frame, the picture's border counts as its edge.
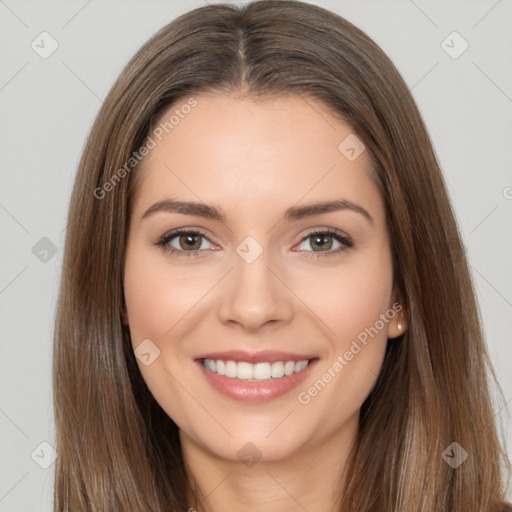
(187, 243)
(321, 243)
(190, 241)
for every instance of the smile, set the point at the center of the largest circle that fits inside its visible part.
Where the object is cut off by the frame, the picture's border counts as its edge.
(256, 382)
(258, 372)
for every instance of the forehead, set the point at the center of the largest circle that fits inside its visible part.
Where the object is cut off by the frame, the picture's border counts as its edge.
(254, 153)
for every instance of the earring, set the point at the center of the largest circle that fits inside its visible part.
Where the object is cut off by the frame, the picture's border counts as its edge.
(399, 326)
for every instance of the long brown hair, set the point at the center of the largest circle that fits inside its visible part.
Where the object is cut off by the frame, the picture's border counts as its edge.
(117, 449)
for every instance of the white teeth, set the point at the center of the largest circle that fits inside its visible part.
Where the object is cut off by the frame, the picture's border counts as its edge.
(254, 372)
(262, 371)
(244, 371)
(229, 369)
(289, 367)
(277, 370)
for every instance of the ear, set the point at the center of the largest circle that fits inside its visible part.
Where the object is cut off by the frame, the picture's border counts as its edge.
(399, 323)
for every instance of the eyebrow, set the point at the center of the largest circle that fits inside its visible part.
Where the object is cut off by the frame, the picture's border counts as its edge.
(290, 214)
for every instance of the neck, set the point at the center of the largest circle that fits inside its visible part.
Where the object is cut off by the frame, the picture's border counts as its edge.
(309, 479)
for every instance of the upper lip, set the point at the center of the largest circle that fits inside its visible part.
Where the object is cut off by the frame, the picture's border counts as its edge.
(270, 356)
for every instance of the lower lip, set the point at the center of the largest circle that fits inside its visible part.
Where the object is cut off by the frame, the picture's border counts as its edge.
(256, 392)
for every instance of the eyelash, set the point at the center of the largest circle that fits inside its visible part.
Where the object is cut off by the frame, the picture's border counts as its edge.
(346, 241)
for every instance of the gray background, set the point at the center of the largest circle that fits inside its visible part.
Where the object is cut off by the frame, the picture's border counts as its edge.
(48, 105)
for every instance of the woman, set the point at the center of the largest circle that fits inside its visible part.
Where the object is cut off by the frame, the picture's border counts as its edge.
(265, 303)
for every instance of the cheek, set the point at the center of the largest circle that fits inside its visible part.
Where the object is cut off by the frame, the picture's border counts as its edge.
(156, 298)
(357, 302)
(144, 303)
(154, 305)
(352, 298)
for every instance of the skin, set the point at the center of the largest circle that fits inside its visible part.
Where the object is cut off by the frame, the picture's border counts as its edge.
(254, 160)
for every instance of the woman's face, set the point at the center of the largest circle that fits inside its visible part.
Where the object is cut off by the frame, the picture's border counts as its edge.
(255, 283)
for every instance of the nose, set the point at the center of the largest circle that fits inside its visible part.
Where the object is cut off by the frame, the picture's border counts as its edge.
(254, 295)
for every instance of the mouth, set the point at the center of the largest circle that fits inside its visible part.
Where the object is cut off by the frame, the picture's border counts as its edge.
(255, 377)
(263, 371)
